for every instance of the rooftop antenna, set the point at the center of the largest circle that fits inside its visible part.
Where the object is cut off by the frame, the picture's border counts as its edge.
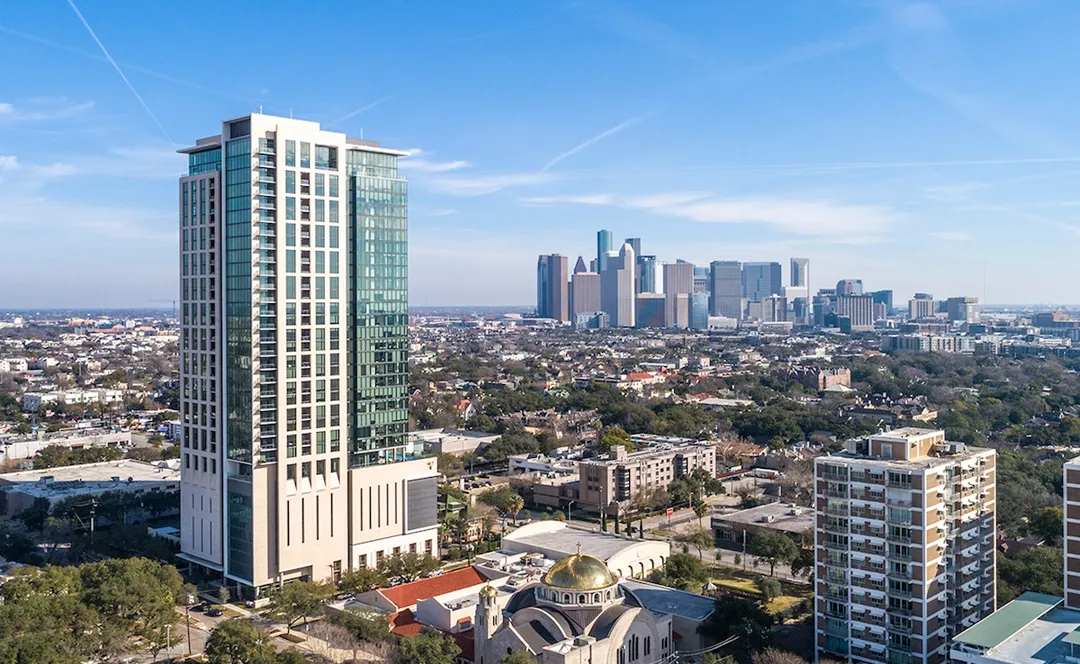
(260, 109)
(361, 133)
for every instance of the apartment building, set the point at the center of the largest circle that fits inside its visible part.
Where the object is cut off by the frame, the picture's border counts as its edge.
(605, 482)
(1072, 534)
(904, 533)
(294, 368)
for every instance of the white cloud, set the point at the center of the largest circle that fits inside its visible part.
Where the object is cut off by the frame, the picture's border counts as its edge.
(443, 212)
(589, 199)
(480, 185)
(428, 166)
(951, 236)
(837, 222)
(39, 110)
(55, 170)
(9, 163)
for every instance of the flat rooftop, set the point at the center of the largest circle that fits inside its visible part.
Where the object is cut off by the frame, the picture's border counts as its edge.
(1031, 629)
(780, 514)
(556, 543)
(655, 452)
(91, 478)
(670, 601)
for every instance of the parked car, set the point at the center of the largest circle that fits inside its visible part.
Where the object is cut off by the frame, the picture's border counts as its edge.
(214, 612)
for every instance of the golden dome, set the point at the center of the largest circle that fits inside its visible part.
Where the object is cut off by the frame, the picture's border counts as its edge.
(488, 591)
(579, 571)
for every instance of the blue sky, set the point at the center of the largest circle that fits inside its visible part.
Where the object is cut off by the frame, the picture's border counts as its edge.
(920, 146)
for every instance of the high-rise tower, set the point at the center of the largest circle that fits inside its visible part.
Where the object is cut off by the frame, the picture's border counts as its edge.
(725, 289)
(603, 247)
(552, 287)
(294, 368)
(617, 288)
(905, 546)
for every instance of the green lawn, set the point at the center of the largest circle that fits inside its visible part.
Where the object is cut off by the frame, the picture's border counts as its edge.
(745, 583)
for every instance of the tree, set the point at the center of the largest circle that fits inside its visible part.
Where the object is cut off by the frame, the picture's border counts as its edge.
(769, 588)
(297, 600)
(449, 464)
(334, 642)
(361, 580)
(701, 508)
(803, 563)
(428, 647)
(682, 571)
(773, 548)
(698, 537)
(1047, 524)
(238, 642)
(736, 616)
(368, 628)
(613, 436)
(1038, 569)
(775, 656)
(224, 595)
(505, 500)
(408, 566)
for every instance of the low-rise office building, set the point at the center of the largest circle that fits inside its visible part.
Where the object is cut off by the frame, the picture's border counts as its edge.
(21, 446)
(735, 529)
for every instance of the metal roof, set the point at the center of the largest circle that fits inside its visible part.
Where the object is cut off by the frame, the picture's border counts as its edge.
(998, 627)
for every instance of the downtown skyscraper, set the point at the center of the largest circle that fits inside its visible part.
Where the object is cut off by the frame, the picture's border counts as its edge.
(552, 298)
(294, 368)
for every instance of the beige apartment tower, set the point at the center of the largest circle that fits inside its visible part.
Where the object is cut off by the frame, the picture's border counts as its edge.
(905, 546)
(294, 367)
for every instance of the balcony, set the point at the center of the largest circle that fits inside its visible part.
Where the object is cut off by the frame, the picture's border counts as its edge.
(868, 635)
(869, 653)
(898, 484)
(836, 493)
(838, 594)
(898, 592)
(837, 630)
(868, 618)
(901, 628)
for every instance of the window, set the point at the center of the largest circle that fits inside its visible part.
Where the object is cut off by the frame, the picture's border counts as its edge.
(325, 157)
(290, 182)
(290, 472)
(320, 210)
(290, 153)
(320, 231)
(305, 155)
(305, 470)
(333, 235)
(333, 185)
(333, 211)
(290, 235)
(290, 208)
(320, 468)
(335, 466)
(290, 446)
(333, 262)
(320, 440)
(335, 441)
(333, 288)
(320, 182)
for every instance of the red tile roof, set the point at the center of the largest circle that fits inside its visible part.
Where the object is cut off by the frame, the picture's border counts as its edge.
(406, 595)
(639, 376)
(466, 643)
(404, 623)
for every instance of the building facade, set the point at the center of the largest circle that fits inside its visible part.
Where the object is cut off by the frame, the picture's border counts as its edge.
(584, 294)
(905, 546)
(650, 310)
(617, 288)
(678, 281)
(650, 275)
(760, 280)
(963, 309)
(800, 273)
(607, 482)
(725, 294)
(552, 297)
(603, 248)
(294, 368)
(858, 308)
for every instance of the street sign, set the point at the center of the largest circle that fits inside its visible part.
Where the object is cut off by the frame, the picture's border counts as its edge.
(670, 511)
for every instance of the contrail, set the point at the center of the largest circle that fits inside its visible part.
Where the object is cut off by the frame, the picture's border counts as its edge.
(128, 66)
(120, 71)
(352, 114)
(596, 139)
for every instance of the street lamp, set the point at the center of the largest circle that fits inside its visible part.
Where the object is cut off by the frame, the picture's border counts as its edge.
(568, 506)
(187, 618)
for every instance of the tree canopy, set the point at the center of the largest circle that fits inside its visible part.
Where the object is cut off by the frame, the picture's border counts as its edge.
(773, 548)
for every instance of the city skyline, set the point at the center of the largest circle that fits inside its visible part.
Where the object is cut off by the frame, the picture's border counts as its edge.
(871, 139)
